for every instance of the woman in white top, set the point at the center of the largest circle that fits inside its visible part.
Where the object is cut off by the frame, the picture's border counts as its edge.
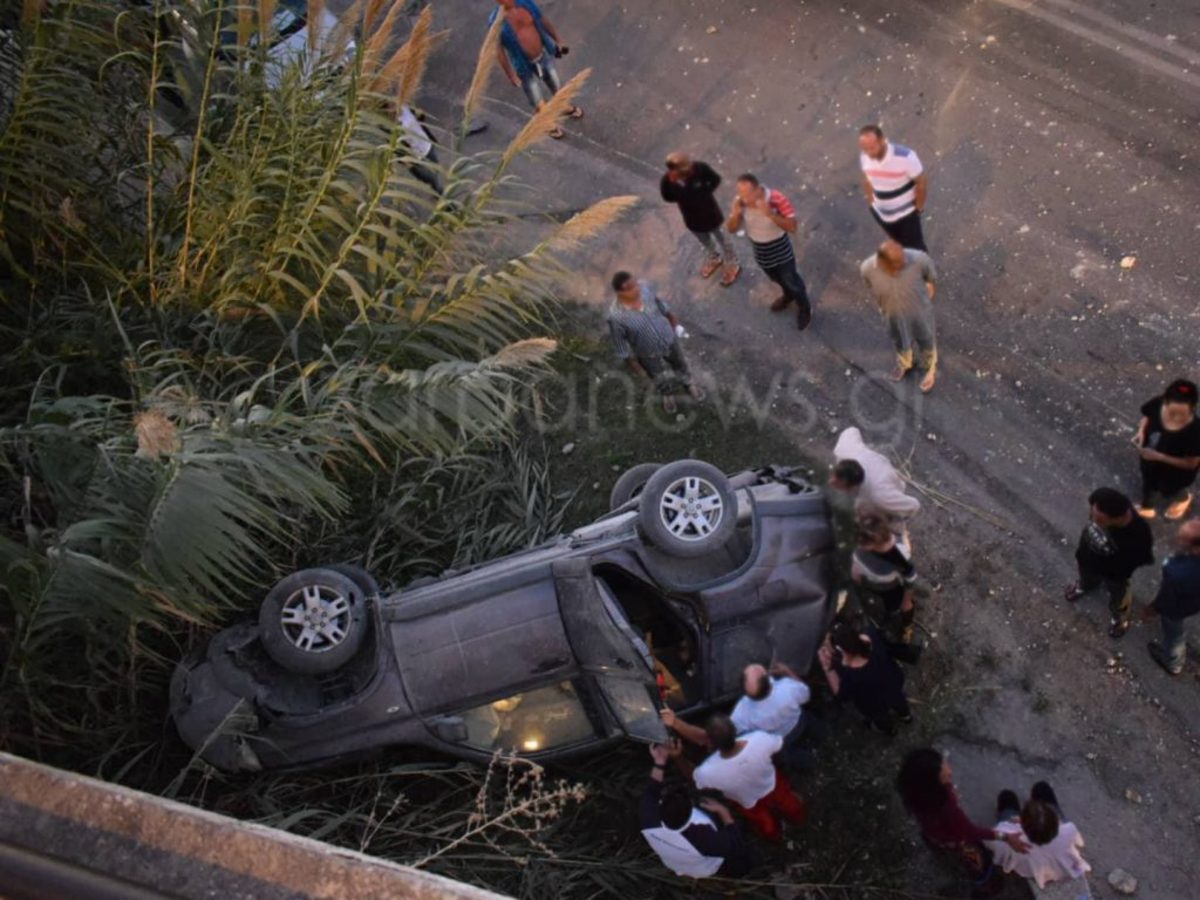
(1053, 857)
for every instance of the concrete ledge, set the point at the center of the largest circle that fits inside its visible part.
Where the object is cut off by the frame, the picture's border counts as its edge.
(63, 834)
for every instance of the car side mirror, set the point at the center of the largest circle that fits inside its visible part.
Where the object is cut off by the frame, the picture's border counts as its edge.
(452, 729)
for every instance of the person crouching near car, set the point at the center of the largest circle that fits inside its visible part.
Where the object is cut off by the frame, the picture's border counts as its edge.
(692, 840)
(743, 770)
(774, 703)
(883, 565)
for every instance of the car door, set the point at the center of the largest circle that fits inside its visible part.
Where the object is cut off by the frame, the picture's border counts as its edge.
(608, 651)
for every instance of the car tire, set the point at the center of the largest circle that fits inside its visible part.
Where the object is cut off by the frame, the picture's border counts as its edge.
(688, 509)
(339, 605)
(631, 483)
(365, 580)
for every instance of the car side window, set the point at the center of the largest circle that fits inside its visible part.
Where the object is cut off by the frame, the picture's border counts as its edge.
(531, 722)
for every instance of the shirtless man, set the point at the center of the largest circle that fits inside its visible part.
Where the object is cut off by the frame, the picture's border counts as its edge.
(529, 45)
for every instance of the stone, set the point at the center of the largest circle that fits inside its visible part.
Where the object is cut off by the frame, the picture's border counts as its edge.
(1122, 882)
(568, 448)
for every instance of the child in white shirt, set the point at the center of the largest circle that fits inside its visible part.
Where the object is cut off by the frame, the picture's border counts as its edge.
(1053, 862)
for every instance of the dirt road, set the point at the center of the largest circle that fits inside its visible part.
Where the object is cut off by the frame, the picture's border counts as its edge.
(1059, 139)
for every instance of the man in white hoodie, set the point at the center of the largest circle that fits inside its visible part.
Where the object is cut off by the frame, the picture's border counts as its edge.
(873, 480)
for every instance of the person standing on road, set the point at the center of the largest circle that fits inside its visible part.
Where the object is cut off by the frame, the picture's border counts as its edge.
(692, 185)
(695, 842)
(926, 785)
(1168, 440)
(904, 283)
(873, 480)
(882, 563)
(1115, 543)
(742, 769)
(529, 45)
(860, 670)
(1053, 855)
(1178, 598)
(645, 333)
(895, 184)
(770, 222)
(773, 702)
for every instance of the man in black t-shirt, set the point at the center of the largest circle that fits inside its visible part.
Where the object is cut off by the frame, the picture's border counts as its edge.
(1168, 438)
(692, 185)
(1115, 544)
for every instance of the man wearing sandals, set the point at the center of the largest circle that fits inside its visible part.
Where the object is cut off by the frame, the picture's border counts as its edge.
(529, 45)
(903, 283)
(1178, 599)
(1115, 544)
(692, 185)
(645, 333)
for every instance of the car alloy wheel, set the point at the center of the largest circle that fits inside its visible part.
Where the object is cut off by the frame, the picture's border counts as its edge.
(691, 508)
(316, 618)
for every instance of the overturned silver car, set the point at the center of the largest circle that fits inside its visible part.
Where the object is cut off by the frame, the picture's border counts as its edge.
(553, 651)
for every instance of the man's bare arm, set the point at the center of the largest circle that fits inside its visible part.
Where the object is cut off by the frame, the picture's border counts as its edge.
(922, 184)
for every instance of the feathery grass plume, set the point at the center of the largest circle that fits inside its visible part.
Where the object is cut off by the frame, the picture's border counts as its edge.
(380, 38)
(422, 42)
(316, 8)
(371, 14)
(484, 67)
(266, 20)
(245, 23)
(343, 33)
(546, 119)
(522, 354)
(156, 435)
(587, 224)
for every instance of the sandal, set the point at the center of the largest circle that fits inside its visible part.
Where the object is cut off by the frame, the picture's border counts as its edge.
(1179, 510)
(575, 113)
(709, 267)
(899, 372)
(1118, 628)
(928, 381)
(1073, 592)
(557, 133)
(669, 405)
(731, 275)
(698, 393)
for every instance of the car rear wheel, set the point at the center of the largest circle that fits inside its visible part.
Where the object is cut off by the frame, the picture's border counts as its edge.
(313, 621)
(631, 483)
(688, 509)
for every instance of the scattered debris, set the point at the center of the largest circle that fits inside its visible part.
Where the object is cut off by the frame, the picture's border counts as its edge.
(1128, 262)
(1132, 796)
(1122, 882)
(568, 448)
(711, 29)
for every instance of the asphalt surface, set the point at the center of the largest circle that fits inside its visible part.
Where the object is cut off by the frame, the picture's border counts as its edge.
(1059, 138)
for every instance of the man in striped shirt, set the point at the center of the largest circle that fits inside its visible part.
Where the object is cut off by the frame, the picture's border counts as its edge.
(770, 221)
(895, 184)
(645, 333)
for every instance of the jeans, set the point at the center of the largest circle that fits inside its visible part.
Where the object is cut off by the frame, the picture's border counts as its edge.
(906, 231)
(717, 245)
(542, 82)
(656, 367)
(1174, 642)
(788, 278)
(915, 331)
(1120, 594)
(792, 755)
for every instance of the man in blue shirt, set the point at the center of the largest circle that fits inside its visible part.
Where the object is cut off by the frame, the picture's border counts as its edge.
(1178, 598)
(529, 45)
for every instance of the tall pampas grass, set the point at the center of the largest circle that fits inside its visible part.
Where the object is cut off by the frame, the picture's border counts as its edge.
(484, 66)
(377, 42)
(402, 73)
(586, 225)
(316, 9)
(546, 119)
(522, 354)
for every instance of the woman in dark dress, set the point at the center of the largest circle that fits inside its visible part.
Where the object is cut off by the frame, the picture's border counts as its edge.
(1168, 438)
(860, 670)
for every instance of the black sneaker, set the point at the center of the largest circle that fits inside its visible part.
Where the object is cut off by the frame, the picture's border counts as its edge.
(1118, 627)
(804, 317)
